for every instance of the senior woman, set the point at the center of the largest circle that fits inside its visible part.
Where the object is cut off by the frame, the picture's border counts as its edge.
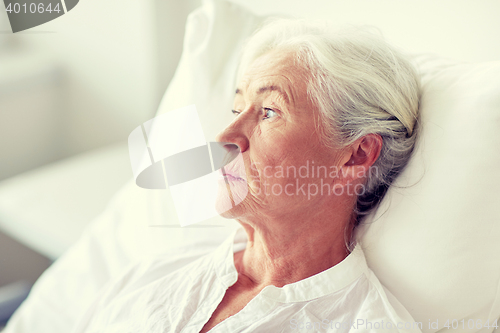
(324, 122)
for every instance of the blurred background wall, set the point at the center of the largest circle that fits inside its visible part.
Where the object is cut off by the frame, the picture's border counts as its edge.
(450, 28)
(85, 79)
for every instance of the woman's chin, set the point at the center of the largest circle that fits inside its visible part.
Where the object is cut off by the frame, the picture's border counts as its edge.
(230, 198)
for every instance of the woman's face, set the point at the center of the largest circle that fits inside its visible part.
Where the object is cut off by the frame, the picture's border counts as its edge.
(281, 149)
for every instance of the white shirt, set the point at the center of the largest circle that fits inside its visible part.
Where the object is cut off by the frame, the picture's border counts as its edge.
(172, 296)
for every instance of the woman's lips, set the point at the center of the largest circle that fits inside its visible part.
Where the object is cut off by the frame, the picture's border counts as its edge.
(233, 172)
(230, 177)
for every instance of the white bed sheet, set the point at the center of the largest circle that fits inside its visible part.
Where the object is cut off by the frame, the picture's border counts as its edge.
(48, 208)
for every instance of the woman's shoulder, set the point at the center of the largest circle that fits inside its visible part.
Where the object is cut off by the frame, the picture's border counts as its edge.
(141, 284)
(153, 269)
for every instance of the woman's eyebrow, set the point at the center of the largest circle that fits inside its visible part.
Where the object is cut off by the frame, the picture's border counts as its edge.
(263, 89)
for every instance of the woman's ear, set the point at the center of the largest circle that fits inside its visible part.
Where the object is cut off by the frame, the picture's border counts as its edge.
(360, 156)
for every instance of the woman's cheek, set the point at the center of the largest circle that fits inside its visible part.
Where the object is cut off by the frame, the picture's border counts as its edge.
(253, 178)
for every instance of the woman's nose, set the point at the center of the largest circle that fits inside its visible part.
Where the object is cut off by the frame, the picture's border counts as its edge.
(234, 134)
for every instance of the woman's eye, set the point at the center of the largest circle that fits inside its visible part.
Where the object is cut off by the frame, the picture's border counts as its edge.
(235, 112)
(269, 113)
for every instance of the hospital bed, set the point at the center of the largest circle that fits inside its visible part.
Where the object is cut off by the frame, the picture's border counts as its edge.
(433, 242)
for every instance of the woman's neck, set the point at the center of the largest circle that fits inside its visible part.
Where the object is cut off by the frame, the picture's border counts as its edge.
(283, 252)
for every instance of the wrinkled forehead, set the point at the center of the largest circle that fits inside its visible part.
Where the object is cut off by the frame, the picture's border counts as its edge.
(277, 71)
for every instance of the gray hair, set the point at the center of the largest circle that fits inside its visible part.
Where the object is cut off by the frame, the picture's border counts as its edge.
(360, 84)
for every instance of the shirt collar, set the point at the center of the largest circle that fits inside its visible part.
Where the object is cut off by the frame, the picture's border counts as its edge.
(318, 285)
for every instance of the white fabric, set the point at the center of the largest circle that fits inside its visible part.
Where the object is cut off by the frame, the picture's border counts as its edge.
(155, 297)
(47, 209)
